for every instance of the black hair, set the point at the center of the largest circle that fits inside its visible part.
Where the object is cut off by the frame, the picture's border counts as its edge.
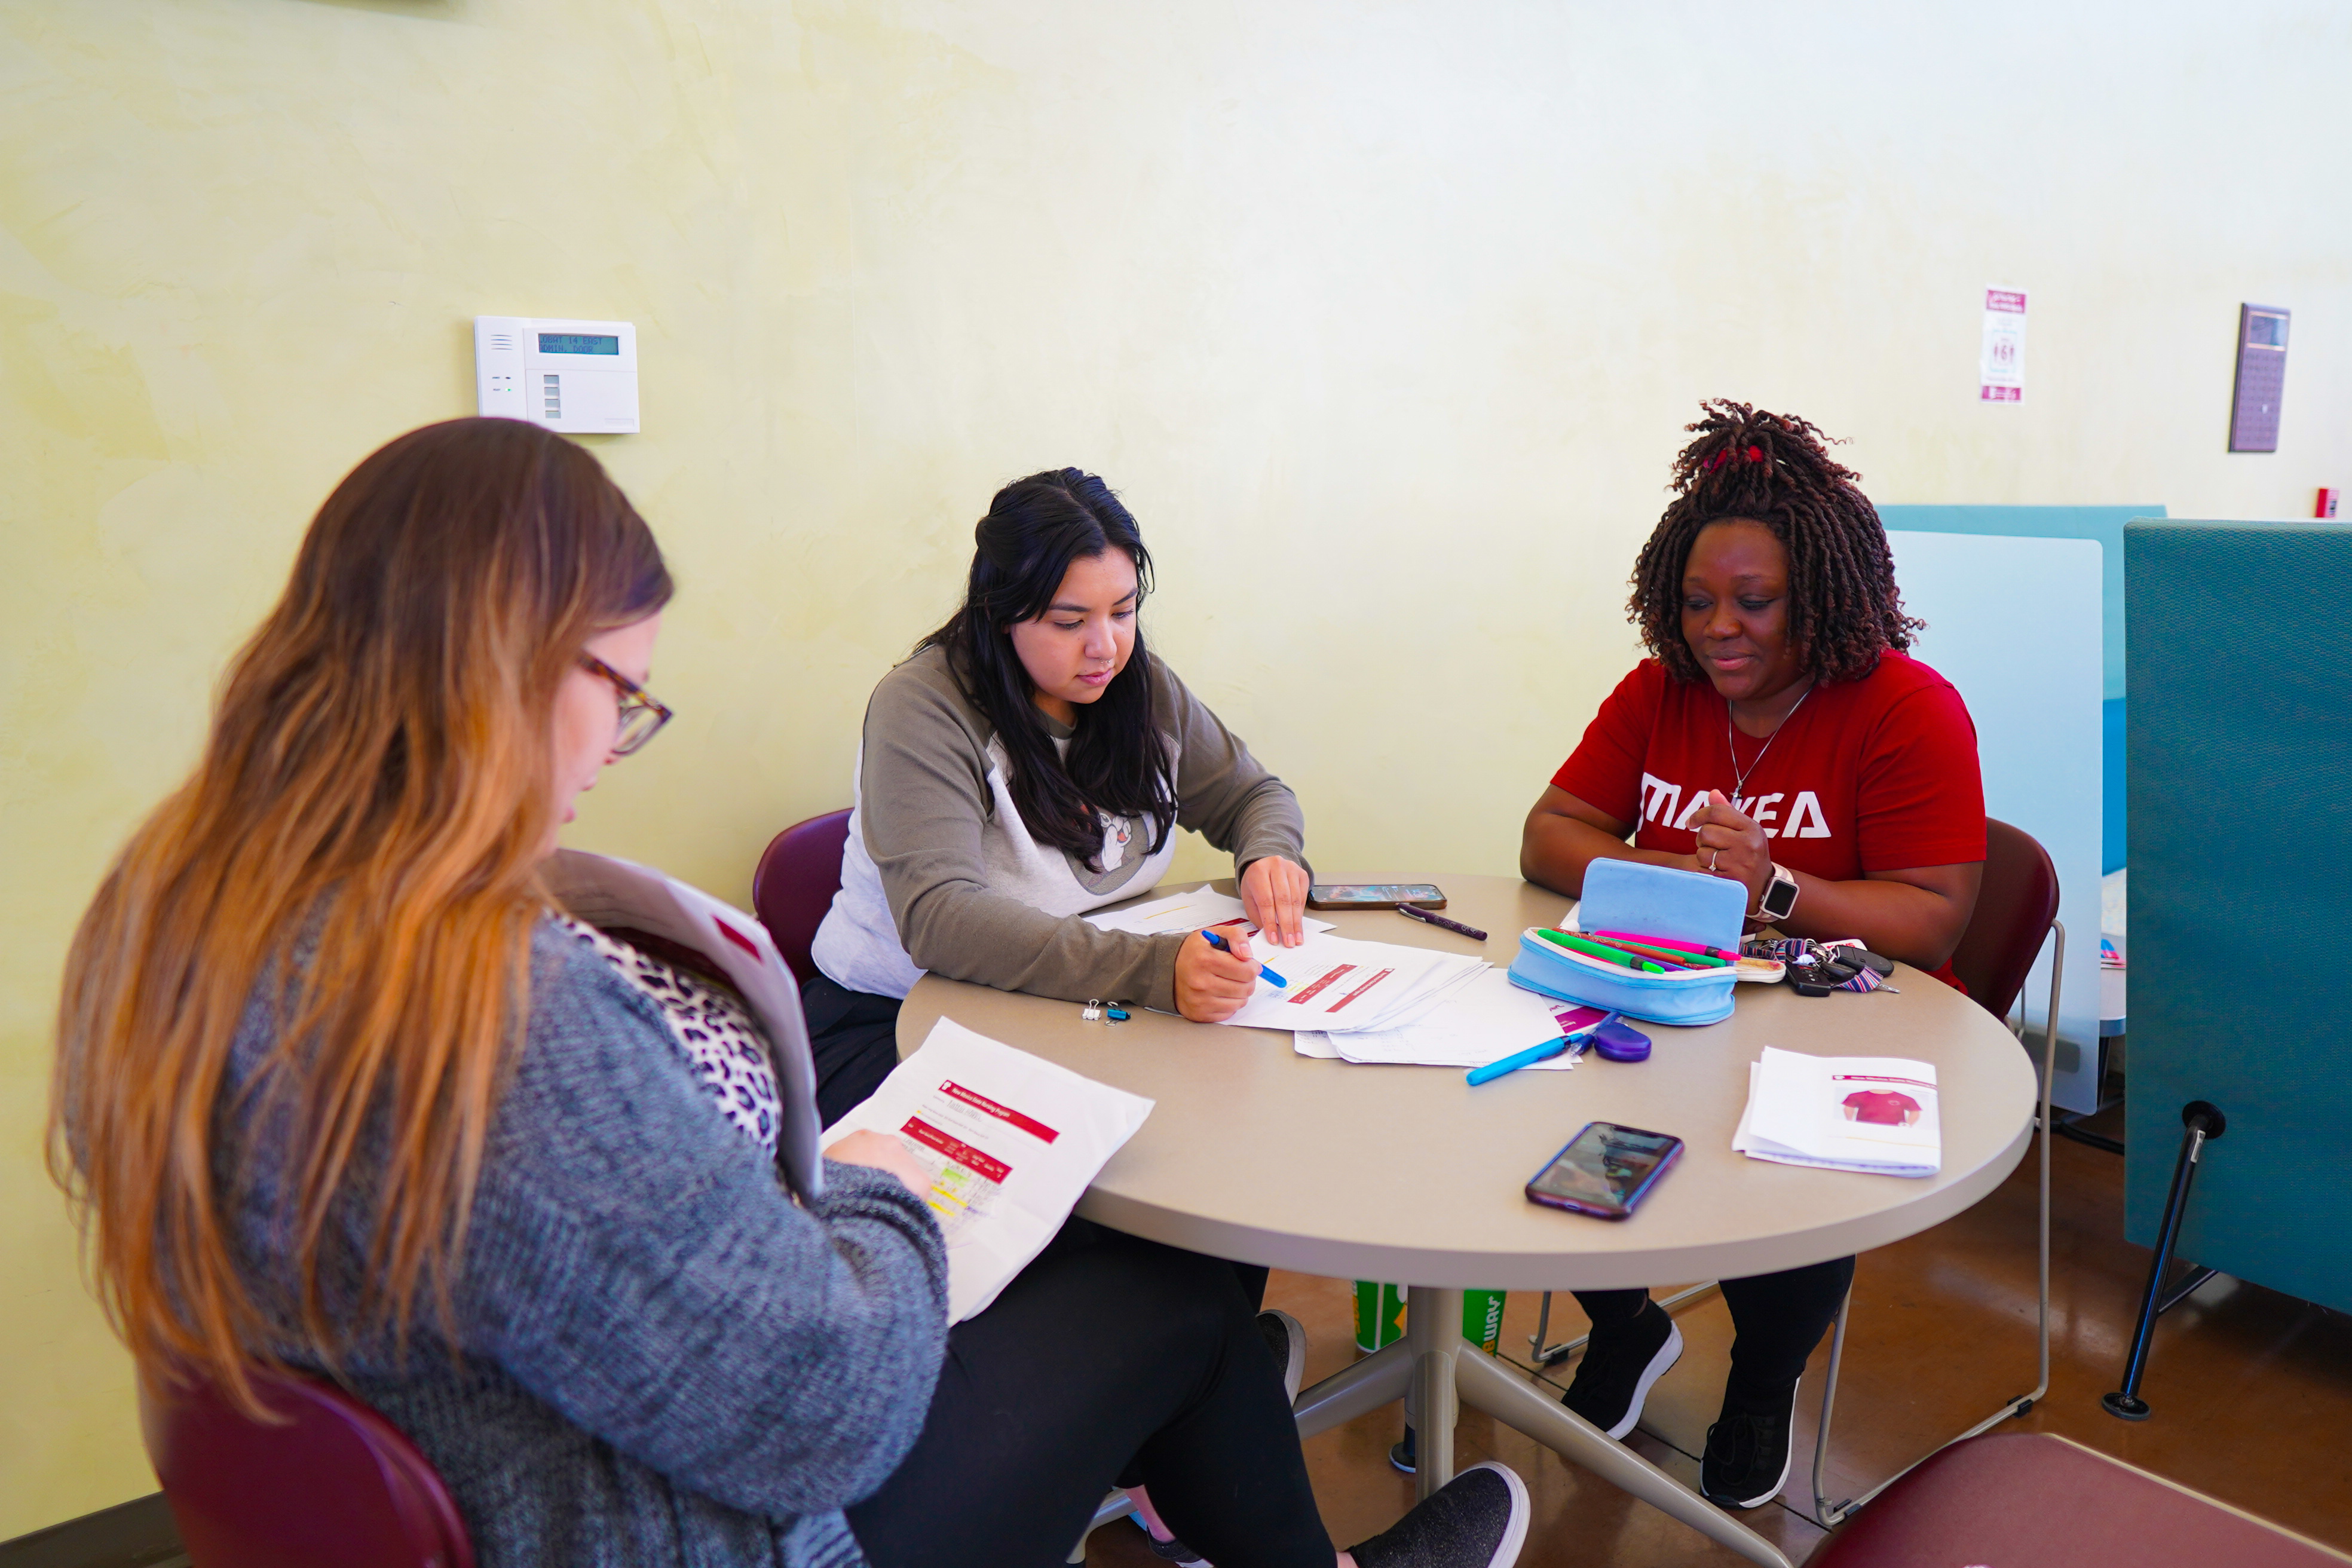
(1117, 763)
(1776, 469)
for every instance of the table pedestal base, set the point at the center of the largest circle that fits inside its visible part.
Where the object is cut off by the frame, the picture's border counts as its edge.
(1435, 1370)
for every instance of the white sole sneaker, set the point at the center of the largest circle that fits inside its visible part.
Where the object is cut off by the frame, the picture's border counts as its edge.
(1455, 1527)
(1660, 1365)
(1515, 1538)
(1294, 1368)
(1788, 1463)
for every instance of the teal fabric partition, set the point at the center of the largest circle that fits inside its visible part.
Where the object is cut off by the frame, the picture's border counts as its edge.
(2105, 525)
(2238, 758)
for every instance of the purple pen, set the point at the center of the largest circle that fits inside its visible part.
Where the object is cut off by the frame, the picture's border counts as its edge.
(1473, 932)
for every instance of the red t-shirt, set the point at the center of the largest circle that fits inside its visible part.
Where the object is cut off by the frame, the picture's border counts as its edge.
(1876, 775)
(1881, 1106)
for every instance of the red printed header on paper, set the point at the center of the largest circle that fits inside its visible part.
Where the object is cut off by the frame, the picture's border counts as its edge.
(2005, 300)
(1359, 990)
(956, 1149)
(1308, 995)
(1877, 1078)
(1029, 1124)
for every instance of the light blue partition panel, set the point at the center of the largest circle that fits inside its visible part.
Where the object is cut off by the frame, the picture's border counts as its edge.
(2014, 623)
(2105, 525)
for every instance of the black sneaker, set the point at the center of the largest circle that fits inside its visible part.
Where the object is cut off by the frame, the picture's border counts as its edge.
(1287, 1341)
(1171, 1550)
(1748, 1456)
(1477, 1519)
(1619, 1366)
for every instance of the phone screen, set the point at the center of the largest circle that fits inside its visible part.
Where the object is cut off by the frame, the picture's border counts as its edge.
(1376, 893)
(1605, 1170)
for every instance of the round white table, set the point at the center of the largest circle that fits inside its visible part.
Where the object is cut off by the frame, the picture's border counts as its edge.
(1405, 1174)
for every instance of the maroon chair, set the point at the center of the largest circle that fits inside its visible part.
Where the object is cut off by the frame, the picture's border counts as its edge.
(2033, 1499)
(2016, 906)
(333, 1486)
(2016, 915)
(798, 875)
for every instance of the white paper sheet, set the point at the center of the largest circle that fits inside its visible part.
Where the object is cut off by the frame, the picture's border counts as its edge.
(1010, 1141)
(1339, 985)
(606, 892)
(1202, 909)
(1486, 1020)
(1871, 1114)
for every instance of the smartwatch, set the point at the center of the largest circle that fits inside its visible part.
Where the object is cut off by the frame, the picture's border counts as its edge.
(1779, 898)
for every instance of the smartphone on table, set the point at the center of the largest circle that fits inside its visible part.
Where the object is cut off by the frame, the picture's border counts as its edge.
(1605, 1170)
(1374, 895)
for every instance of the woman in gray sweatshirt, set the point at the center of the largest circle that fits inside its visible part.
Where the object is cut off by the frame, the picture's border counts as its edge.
(1033, 761)
(339, 1092)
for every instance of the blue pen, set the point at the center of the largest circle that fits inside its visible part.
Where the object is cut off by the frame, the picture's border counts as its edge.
(1222, 945)
(1534, 1054)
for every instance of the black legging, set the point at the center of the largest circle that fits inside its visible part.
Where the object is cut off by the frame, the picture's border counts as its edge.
(1778, 1319)
(854, 1037)
(1108, 1360)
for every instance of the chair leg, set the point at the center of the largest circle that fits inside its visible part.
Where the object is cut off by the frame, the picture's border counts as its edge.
(1828, 1514)
(1117, 1505)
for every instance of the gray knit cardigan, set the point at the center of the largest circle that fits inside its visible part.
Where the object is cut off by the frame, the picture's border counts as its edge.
(660, 1357)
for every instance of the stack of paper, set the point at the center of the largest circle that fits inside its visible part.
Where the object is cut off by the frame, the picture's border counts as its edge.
(1488, 1019)
(1341, 987)
(1874, 1114)
(1009, 1140)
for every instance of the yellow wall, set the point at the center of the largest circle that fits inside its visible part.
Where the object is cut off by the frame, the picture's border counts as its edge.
(1384, 317)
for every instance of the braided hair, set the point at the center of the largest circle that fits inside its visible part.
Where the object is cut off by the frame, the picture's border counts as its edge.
(1776, 469)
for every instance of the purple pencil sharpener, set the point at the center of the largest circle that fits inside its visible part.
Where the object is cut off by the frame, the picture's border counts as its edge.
(1618, 1042)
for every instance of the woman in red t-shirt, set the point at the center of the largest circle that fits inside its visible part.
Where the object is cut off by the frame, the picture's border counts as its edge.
(1777, 735)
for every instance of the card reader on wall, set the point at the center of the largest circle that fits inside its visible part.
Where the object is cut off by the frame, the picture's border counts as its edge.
(580, 377)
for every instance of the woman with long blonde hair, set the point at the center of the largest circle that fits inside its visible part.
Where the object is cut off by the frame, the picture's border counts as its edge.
(340, 1092)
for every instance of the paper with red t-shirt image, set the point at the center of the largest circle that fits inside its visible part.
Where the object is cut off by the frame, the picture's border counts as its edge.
(1871, 1114)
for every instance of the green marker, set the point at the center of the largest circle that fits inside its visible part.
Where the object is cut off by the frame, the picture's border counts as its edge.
(1598, 950)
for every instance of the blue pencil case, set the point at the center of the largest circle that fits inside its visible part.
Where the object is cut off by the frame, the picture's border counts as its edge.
(1643, 900)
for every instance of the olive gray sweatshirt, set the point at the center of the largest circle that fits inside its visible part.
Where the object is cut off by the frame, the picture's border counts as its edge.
(659, 1357)
(940, 873)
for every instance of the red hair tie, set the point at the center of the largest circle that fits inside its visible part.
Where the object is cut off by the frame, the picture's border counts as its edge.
(1755, 455)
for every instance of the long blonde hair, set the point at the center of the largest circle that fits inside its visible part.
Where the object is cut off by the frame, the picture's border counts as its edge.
(375, 788)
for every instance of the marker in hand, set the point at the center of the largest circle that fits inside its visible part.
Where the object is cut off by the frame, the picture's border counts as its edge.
(1222, 945)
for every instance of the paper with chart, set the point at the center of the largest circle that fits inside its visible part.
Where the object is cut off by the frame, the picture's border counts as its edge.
(1871, 1114)
(1337, 986)
(1202, 909)
(1485, 1020)
(1010, 1142)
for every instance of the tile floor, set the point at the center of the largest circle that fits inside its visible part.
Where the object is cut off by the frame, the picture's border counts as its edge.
(2252, 1390)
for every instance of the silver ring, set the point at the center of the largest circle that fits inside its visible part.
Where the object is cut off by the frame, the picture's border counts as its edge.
(1711, 865)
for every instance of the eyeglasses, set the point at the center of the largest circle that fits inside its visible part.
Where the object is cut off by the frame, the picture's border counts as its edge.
(642, 714)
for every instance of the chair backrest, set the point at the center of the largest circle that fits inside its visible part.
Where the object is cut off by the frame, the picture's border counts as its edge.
(2015, 907)
(2034, 1500)
(333, 1486)
(798, 875)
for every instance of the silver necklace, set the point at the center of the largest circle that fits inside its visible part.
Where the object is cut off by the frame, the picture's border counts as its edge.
(1738, 774)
